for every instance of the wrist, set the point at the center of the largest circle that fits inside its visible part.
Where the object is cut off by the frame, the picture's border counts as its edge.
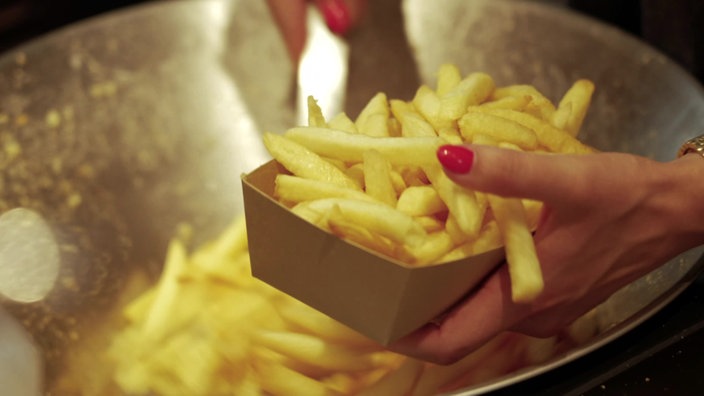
(692, 146)
(684, 188)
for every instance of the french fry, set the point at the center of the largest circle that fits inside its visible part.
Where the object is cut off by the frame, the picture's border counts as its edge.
(311, 215)
(164, 301)
(412, 151)
(420, 201)
(436, 245)
(492, 365)
(413, 176)
(430, 223)
(316, 351)
(412, 123)
(349, 230)
(451, 134)
(458, 236)
(484, 139)
(518, 103)
(397, 181)
(294, 189)
(400, 109)
(343, 123)
(303, 162)
(448, 77)
(523, 264)
(137, 310)
(573, 107)
(398, 382)
(281, 380)
(305, 319)
(472, 90)
(499, 128)
(315, 114)
(555, 140)
(378, 182)
(583, 328)
(533, 210)
(356, 173)
(339, 164)
(373, 119)
(461, 202)
(342, 383)
(427, 103)
(376, 217)
(394, 127)
(488, 239)
(539, 105)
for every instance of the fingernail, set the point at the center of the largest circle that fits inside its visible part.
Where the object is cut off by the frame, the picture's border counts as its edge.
(337, 15)
(456, 159)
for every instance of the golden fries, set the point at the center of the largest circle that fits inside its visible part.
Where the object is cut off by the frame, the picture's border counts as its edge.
(315, 114)
(523, 265)
(473, 90)
(499, 128)
(549, 137)
(208, 327)
(237, 335)
(374, 117)
(349, 147)
(394, 165)
(462, 203)
(378, 181)
(294, 189)
(573, 107)
(420, 201)
(303, 162)
(448, 77)
(375, 216)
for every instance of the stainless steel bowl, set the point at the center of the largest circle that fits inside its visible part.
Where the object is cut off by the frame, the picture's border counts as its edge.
(119, 128)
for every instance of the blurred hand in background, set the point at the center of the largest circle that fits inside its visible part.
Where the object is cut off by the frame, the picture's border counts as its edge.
(290, 15)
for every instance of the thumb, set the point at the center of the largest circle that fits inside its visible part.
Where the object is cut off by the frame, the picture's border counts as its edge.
(511, 173)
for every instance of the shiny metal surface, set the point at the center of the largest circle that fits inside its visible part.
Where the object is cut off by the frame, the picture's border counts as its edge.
(118, 129)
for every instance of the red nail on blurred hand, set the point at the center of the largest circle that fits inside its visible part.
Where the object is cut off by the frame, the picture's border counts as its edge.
(336, 14)
(456, 159)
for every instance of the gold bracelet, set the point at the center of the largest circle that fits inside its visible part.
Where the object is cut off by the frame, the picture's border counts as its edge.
(694, 145)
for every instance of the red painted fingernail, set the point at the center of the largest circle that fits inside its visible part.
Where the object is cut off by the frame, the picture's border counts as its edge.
(456, 159)
(337, 15)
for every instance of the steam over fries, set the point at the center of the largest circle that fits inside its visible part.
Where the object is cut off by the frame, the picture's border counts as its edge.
(375, 181)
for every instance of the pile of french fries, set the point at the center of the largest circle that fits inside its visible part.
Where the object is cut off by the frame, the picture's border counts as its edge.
(208, 328)
(375, 180)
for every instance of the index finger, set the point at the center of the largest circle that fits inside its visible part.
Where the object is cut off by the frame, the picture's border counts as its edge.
(549, 178)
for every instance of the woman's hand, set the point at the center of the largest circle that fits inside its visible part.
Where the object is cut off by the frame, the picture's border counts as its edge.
(608, 219)
(290, 15)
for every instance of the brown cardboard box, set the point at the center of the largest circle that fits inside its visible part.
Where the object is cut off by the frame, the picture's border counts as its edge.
(380, 298)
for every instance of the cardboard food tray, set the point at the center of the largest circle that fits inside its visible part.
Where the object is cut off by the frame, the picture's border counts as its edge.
(380, 298)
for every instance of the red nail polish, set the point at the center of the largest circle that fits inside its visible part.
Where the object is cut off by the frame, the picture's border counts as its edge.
(456, 159)
(337, 15)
